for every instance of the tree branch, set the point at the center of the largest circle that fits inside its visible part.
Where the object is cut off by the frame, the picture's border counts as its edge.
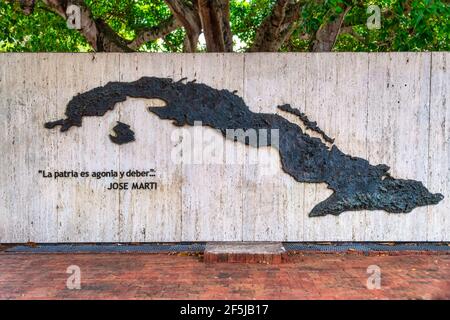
(325, 37)
(278, 26)
(188, 16)
(349, 30)
(97, 33)
(108, 40)
(154, 33)
(27, 6)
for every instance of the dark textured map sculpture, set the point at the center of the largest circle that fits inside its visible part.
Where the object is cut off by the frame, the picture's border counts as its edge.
(357, 184)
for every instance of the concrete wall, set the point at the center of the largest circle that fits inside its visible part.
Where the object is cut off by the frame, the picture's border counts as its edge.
(389, 108)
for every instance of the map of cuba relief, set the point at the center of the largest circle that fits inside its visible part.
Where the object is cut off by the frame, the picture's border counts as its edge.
(356, 184)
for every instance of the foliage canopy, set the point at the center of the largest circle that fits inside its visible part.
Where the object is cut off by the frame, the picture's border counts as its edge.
(418, 25)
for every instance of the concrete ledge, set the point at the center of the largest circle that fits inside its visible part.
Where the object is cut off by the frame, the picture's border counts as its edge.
(245, 252)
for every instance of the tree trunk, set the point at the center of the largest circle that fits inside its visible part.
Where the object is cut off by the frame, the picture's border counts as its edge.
(188, 16)
(215, 19)
(277, 27)
(325, 37)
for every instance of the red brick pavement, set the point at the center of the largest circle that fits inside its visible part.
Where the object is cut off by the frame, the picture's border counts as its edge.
(162, 276)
